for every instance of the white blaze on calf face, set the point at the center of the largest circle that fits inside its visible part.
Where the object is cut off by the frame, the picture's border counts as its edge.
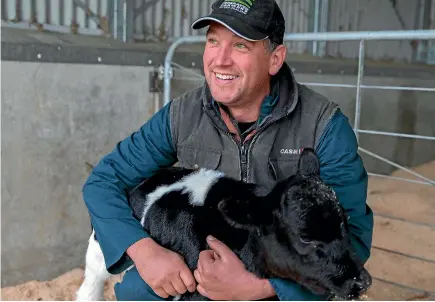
(196, 185)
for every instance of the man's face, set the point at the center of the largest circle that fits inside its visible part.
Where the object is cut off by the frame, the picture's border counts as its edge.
(236, 70)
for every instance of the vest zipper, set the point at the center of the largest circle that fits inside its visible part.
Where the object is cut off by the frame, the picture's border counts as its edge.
(251, 142)
(242, 147)
(244, 162)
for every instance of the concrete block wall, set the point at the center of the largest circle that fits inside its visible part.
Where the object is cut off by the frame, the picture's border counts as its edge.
(56, 117)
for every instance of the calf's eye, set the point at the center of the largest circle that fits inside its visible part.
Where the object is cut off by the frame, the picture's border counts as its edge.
(306, 241)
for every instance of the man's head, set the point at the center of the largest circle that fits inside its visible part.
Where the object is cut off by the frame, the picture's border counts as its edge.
(243, 49)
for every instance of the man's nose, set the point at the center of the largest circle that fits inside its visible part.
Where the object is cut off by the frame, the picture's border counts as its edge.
(223, 56)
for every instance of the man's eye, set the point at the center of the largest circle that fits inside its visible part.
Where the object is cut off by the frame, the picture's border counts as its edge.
(212, 41)
(240, 45)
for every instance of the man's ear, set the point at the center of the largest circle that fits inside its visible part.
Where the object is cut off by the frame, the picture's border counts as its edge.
(277, 59)
(308, 163)
(245, 214)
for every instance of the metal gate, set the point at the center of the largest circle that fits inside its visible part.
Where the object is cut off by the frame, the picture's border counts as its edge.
(428, 35)
(337, 36)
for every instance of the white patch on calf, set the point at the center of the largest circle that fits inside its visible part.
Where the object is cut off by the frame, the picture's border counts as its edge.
(199, 184)
(92, 288)
(196, 185)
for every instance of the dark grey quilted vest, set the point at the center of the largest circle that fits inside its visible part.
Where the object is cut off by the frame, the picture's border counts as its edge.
(203, 139)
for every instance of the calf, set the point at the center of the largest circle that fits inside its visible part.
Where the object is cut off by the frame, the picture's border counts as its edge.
(298, 231)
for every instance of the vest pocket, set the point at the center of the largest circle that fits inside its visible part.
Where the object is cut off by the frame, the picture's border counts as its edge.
(282, 168)
(196, 158)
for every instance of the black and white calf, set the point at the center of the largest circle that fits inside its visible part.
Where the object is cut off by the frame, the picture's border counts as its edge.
(298, 231)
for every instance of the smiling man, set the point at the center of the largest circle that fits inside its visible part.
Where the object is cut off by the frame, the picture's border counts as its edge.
(250, 120)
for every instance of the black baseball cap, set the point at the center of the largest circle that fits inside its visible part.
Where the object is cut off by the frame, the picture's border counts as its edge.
(252, 20)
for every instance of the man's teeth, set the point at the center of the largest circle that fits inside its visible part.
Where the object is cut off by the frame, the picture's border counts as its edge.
(225, 76)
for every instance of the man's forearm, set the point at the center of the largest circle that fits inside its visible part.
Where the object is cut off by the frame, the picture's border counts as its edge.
(140, 248)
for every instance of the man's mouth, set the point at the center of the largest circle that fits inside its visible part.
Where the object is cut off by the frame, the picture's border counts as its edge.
(225, 77)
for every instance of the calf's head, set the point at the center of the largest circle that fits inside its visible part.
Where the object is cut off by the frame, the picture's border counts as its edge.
(303, 233)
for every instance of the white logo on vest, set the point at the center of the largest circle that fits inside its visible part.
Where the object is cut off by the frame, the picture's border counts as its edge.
(291, 151)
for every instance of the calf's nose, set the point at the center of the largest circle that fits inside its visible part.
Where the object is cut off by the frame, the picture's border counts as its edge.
(361, 284)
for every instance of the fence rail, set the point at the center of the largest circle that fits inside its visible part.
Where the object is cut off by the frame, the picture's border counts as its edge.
(336, 36)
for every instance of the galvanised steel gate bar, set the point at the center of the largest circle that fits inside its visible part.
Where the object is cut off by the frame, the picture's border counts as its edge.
(361, 36)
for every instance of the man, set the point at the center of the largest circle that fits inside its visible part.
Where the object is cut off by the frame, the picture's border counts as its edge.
(250, 120)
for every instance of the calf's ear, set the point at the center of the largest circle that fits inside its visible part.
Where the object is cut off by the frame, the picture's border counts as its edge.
(245, 214)
(308, 163)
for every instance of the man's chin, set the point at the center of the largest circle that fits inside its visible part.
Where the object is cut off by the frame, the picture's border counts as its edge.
(223, 99)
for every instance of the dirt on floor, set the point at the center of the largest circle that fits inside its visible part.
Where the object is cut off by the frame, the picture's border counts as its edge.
(404, 227)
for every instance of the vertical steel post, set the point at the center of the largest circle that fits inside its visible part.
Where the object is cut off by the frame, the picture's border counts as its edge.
(323, 26)
(358, 88)
(316, 25)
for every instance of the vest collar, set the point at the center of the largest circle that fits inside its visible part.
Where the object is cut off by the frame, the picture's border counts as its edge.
(281, 102)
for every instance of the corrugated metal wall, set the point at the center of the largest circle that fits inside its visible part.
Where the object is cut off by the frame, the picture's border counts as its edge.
(172, 18)
(57, 15)
(432, 15)
(168, 19)
(371, 15)
(431, 54)
(162, 20)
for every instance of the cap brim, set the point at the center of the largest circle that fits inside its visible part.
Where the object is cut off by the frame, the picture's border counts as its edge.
(234, 24)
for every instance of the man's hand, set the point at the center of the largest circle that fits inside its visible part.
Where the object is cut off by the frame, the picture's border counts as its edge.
(163, 270)
(221, 275)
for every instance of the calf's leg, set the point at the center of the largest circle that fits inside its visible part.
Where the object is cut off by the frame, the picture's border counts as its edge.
(92, 288)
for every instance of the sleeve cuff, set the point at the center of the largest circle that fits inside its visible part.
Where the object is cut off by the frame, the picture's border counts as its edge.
(122, 235)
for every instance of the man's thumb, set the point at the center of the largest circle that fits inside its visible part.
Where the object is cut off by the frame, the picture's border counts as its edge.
(217, 246)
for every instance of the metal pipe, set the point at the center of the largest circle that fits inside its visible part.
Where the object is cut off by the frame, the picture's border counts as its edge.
(326, 36)
(358, 88)
(316, 24)
(399, 178)
(397, 134)
(115, 19)
(397, 165)
(124, 21)
(188, 70)
(168, 60)
(363, 35)
(370, 86)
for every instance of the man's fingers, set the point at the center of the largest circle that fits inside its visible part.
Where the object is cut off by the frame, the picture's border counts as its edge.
(198, 277)
(188, 279)
(220, 248)
(206, 258)
(169, 289)
(202, 291)
(161, 292)
(178, 285)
